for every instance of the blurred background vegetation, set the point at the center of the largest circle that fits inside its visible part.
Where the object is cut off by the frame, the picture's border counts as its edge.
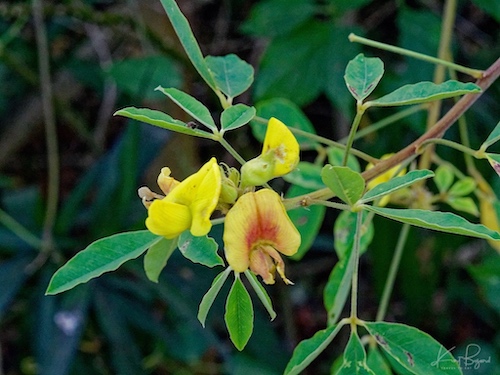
(105, 55)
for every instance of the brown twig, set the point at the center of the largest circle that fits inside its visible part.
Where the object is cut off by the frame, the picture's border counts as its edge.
(438, 130)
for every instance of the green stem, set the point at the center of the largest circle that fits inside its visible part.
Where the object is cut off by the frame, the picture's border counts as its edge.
(354, 285)
(391, 277)
(224, 102)
(218, 220)
(354, 127)
(464, 137)
(445, 142)
(19, 230)
(402, 51)
(338, 206)
(231, 150)
(376, 126)
(50, 127)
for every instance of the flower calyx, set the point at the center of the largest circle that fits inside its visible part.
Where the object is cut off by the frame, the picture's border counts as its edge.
(280, 155)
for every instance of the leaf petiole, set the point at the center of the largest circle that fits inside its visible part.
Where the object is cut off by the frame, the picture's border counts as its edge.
(420, 56)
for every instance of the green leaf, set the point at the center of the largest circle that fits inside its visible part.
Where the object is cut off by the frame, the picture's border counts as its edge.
(138, 77)
(441, 221)
(419, 31)
(287, 112)
(188, 40)
(236, 116)
(307, 220)
(343, 233)
(307, 350)
(12, 278)
(492, 138)
(306, 175)
(261, 293)
(444, 178)
(232, 75)
(463, 187)
(239, 315)
(396, 183)
(377, 362)
(342, 6)
(354, 358)
(464, 204)
(109, 309)
(336, 157)
(344, 182)
(157, 256)
(162, 120)
(104, 255)
(288, 14)
(415, 350)
(190, 105)
(305, 49)
(202, 250)
(486, 275)
(494, 160)
(424, 92)
(362, 75)
(210, 296)
(491, 7)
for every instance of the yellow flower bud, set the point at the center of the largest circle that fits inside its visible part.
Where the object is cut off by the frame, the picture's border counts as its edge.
(280, 155)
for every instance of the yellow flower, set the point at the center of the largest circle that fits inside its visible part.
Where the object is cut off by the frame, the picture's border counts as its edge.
(256, 230)
(281, 143)
(280, 155)
(489, 215)
(384, 177)
(188, 205)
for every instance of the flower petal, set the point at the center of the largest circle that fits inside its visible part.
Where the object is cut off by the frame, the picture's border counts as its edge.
(280, 140)
(239, 219)
(258, 219)
(168, 219)
(200, 193)
(262, 264)
(205, 199)
(165, 182)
